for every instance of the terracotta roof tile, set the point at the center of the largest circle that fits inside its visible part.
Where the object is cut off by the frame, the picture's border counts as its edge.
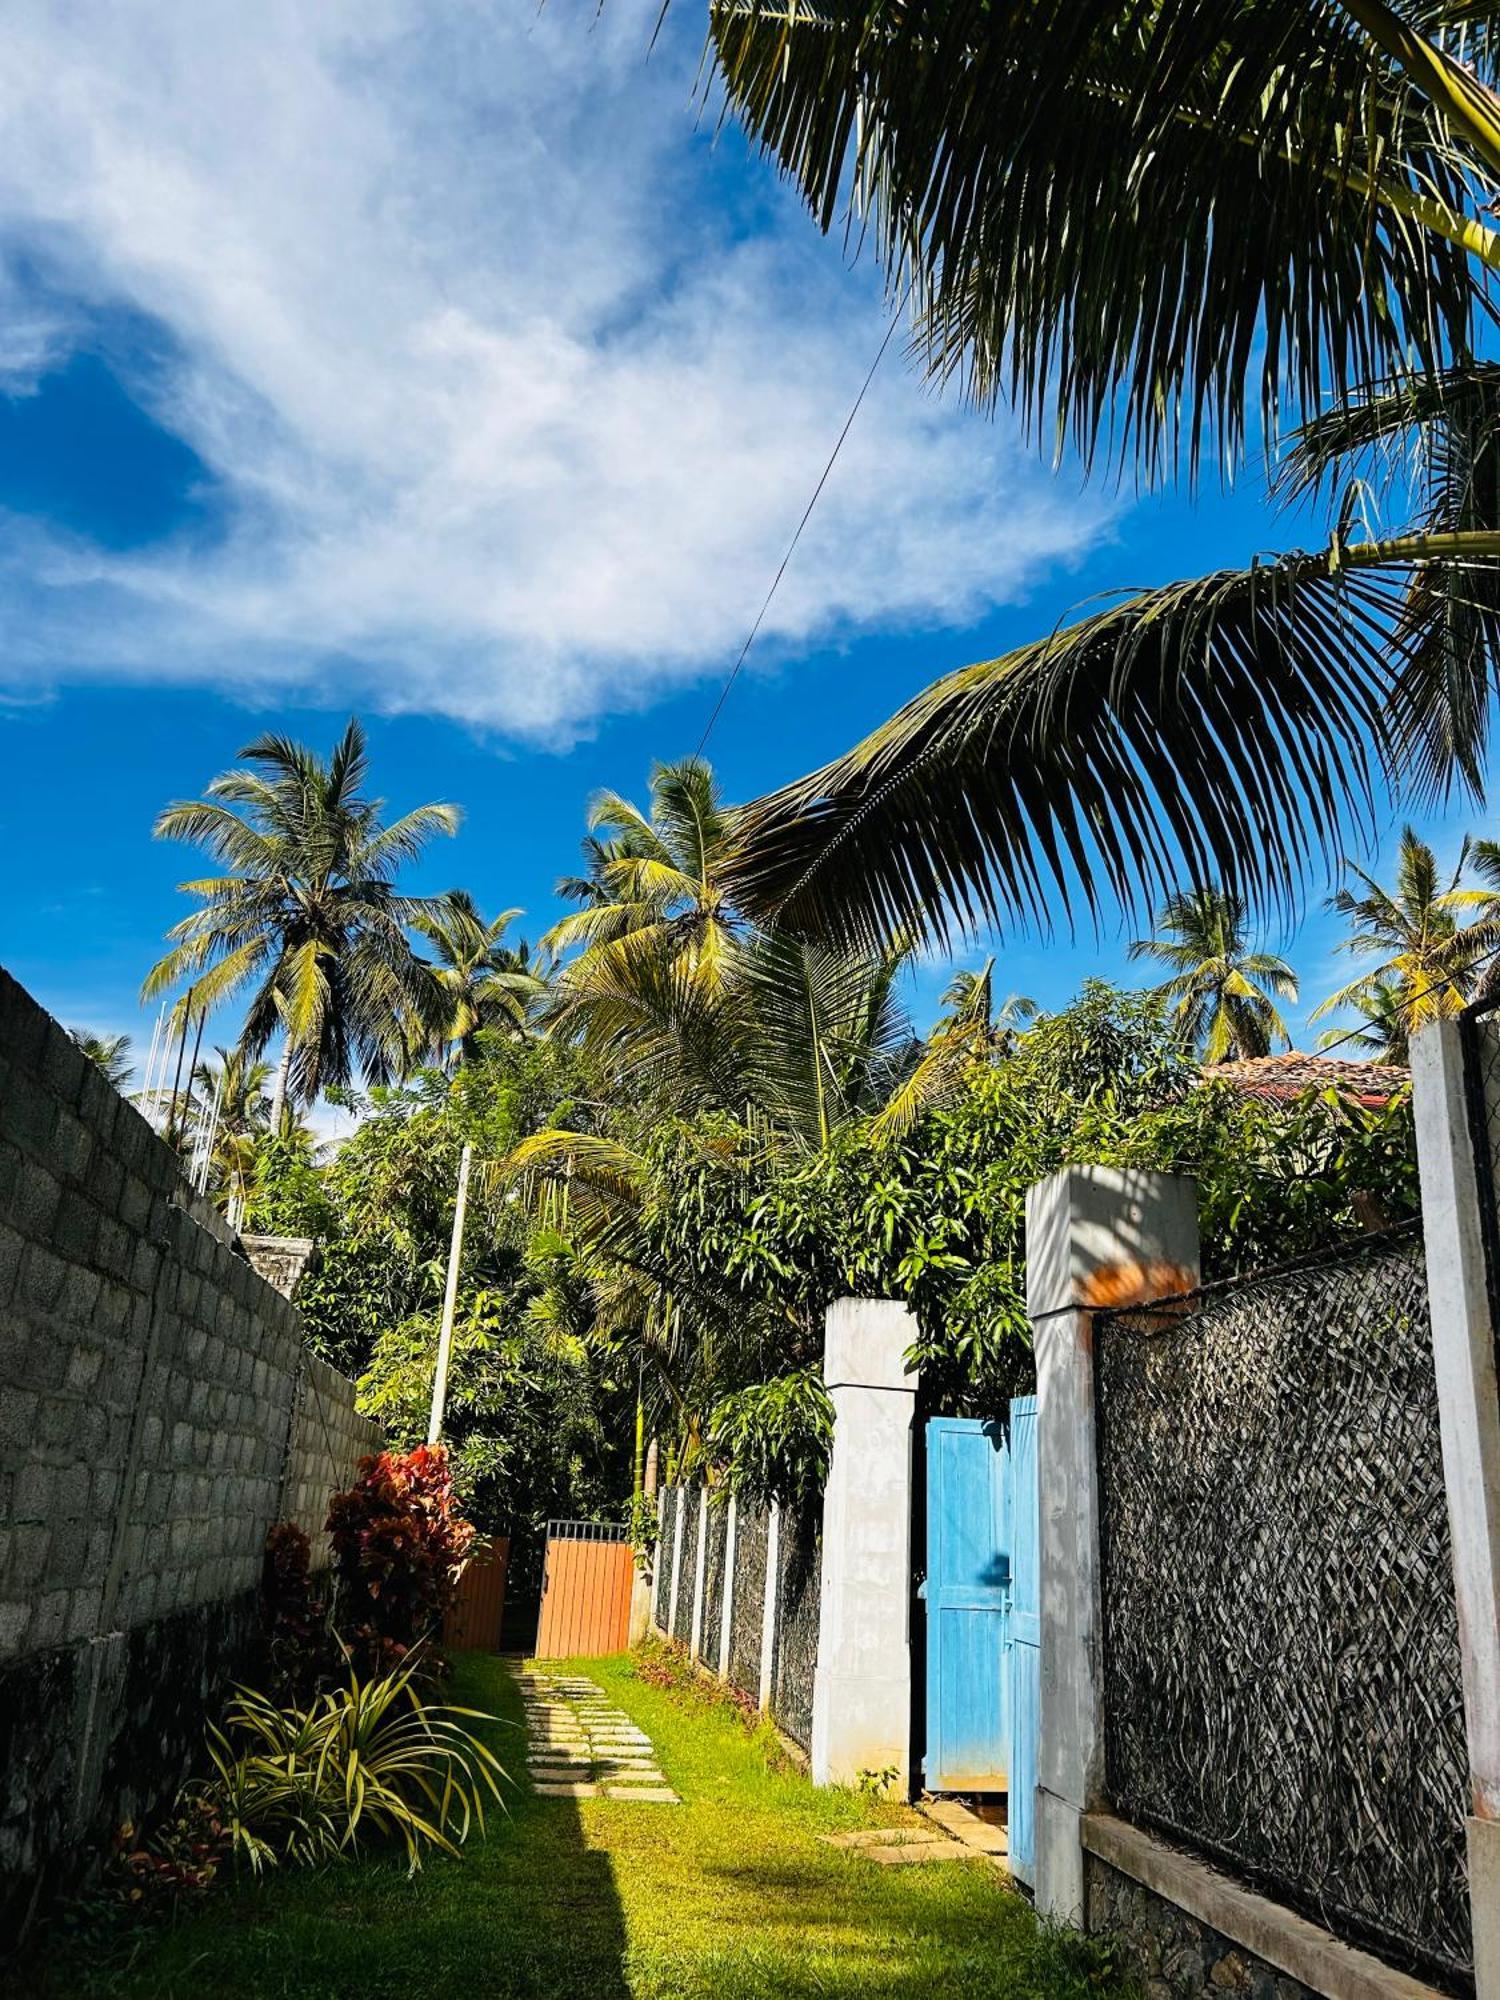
(1279, 1078)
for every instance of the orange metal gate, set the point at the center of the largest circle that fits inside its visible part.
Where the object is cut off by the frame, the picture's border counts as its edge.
(473, 1620)
(586, 1590)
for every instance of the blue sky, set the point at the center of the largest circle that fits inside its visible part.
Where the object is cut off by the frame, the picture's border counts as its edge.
(443, 365)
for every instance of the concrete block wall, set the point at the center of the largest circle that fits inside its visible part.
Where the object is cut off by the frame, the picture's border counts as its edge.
(158, 1413)
(329, 1438)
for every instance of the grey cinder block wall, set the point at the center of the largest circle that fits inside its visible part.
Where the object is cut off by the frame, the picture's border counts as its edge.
(158, 1412)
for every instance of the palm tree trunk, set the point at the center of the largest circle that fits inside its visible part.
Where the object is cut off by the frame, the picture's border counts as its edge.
(278, 1094)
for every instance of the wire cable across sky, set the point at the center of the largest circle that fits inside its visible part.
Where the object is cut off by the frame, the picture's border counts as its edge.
(734, 672)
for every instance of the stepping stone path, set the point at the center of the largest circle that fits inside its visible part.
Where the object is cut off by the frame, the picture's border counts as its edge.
(899, 1846)
(581, 1748)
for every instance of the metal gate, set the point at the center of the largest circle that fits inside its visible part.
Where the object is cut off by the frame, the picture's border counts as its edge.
(585, 1590)
(983, 1623)
(478, 1608)
(1024, 1662)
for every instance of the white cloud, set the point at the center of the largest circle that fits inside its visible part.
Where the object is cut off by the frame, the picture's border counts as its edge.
(514, 388)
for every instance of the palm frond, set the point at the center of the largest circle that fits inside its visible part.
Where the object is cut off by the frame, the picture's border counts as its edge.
(1432, 441)
(1135, 220)
(1218, 728)
(823, 1027)
(405, 838)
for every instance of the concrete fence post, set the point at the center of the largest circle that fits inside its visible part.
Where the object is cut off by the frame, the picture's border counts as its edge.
(1095, 1236)
(1464, 1360)
(862, 1688)
(700, 1574)
(768, 1605)
(726, 1614)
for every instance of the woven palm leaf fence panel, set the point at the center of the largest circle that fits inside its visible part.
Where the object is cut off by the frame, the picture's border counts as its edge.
(737, 1562)
(661, 1571)
(682, 1621)
(752, 1533)
(799, 1574)
(713, 1582)
(1281, 1654)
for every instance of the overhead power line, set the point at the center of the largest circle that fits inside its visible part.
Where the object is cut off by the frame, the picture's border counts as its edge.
(1437, 986)
(734, 672)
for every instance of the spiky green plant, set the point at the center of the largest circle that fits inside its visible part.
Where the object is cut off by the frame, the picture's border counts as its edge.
(370, 1762)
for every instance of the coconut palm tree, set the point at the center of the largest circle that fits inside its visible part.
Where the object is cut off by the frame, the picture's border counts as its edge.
(968, 1035)
(1221, 991)
(693, 1010)
(825, 1037)
(308, 916)
(1383, 1037)
(969, 998)
(108, 1053)
(654, 879)
(486, 983)
(239, 1088)
(1147, 224)
(656, 941)
(1418, 933)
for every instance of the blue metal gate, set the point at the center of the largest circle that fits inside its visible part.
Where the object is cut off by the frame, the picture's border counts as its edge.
(968, 1606)
(983, 1606)
(1024, 1662)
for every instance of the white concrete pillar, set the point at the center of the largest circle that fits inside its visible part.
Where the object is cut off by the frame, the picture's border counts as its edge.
(768, 1604)
(862, 1690)
(1095, 1236)
(1463, 1347)
(726, 1614)
(700, 1572)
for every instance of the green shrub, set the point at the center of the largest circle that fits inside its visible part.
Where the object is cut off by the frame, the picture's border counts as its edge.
(371, 1761)
(773, 1438)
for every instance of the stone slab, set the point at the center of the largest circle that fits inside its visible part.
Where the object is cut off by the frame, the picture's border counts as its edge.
(646, 1795)
(967, 1826)
(884, 1836)
(923, 1851)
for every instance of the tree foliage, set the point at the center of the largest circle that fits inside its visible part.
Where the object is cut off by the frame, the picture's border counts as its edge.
(753, 1241)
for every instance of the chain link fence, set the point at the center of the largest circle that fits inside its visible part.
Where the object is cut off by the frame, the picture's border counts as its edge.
(1281, 1656)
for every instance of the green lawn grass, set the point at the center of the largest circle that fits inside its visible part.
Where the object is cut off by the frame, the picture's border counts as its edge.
(724, 1897)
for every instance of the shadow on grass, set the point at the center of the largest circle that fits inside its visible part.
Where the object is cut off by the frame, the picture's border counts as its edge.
(528, 1913)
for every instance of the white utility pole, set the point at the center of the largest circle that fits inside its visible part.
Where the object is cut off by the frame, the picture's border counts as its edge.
(450, 1299)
